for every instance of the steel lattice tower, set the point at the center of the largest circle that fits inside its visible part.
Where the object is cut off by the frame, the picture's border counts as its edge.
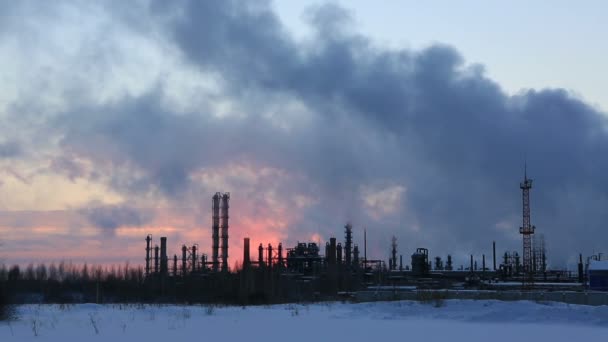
(527, 229)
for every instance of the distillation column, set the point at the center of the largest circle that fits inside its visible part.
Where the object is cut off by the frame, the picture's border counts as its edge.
(348, 247)
(148, 252)
(224, 226)
(215, 231)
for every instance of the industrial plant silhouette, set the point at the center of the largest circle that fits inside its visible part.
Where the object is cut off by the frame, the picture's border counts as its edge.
(305, 273)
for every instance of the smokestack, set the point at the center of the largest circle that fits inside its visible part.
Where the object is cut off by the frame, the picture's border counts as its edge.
(175, 265)
(269, 256)
(581, 275)
(164, 261)
(494, 254)
(215, 231)
(261, 256)
(156, 250)
(356, 256)
(365, 247)
(339, 253)
(471, 267)
(194, 258)
(184, 260)
(280, 255)
(246, 257)
(332, 251)
(148, 252)
(224, 226)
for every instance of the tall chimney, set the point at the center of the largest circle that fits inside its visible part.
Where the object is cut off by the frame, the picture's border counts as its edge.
(156, 250)
(194, 258)
(164, 267)
(471, 267)
(175, 265)
(261, 256)
(581, 275)
(494, 253)
(364, 247)
(269, 256)
(224, 226)
(184, 260)
(280, 262)
(246, 256)
(332, 251)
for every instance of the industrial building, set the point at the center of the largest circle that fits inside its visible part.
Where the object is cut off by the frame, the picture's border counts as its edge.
(598, 275)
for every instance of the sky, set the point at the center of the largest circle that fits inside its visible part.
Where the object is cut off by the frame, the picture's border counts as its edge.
(120, 120)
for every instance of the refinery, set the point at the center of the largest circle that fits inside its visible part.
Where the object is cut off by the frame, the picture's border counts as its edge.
(342, 269)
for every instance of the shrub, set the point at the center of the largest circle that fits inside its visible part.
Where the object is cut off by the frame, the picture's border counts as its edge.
(6, 309)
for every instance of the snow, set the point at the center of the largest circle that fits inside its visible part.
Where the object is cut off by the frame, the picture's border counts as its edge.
(455, 320)
(519, 283)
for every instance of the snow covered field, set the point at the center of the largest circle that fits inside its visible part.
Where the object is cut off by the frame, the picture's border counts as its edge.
(456, 320)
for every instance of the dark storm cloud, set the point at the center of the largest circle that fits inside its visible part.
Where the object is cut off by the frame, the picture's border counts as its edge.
(111, 217)
(461, 141)
(373, 117)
